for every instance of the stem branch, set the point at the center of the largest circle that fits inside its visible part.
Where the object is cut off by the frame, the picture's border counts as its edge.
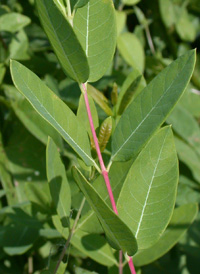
(120, 262)
(70, 236)
(149, 39)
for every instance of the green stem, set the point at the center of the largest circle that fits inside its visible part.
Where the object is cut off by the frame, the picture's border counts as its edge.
(69, 12)
(149, 39)
(70, 236)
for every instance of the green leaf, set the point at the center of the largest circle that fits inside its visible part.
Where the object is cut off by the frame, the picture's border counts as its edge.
(20, 242)
(131, 87)
(105, 133)
(186, 126)
(22, 161)
(39, 194)
(116, 230)
(184, 25)
(80, 3)
(191, 102)
(188, 155)
(117, 174)
(58, 184)
(95, 27)
(2, 72)
(52, 109)
(64, 231)
(120, 20)
(79, 270)
(100, 99)
(94, 246)
(181, 219)
(130, 2)
(18, 47)
(128, 96)
(30, 118)
(167, 12)
(148, 194)
(131, 50)
(5, 176)
(150, 108)
(16, 238)
(13, 22)
(83, 116)
(63, 40)
(187, 194)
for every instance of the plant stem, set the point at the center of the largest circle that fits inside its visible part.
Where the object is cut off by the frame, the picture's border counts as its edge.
(30, 265)
(149, 39)
(69, 12)
(103, 169)
(70, 236)
(120, 262)
(131, 266)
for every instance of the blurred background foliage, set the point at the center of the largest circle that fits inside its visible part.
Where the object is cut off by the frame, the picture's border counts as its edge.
(150, 35)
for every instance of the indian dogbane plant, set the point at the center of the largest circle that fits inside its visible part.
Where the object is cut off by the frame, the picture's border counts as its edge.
(142, 202)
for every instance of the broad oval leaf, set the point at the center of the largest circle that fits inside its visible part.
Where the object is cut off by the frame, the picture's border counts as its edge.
(184, 25)
(181, 219)
(116, 230)
(131, 50)
(63, 40)
(95, 27)
(151, 107)
(58, 183)
(148, 194)
(167, 11)
(52, 109)
(13, 22)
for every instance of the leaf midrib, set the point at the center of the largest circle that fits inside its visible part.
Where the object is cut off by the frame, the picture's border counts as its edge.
(87, 31)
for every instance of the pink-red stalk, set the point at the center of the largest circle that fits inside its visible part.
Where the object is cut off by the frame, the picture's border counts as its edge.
(104, 170)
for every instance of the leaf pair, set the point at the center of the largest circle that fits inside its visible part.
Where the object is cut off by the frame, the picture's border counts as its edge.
(85, 50)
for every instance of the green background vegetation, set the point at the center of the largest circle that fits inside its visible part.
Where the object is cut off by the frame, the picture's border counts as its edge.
(150, 35)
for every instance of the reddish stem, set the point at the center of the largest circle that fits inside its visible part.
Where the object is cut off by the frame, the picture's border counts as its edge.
(131, 266)
(103, 168)
(104, 171)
